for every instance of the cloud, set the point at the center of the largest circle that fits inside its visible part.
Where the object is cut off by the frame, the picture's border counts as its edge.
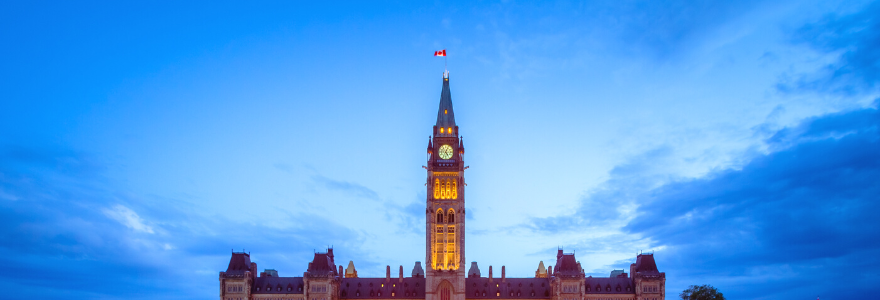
(852, 40)
(127, 217)
(781, 226)
(805, 209)
(354, 189)
(73, 225)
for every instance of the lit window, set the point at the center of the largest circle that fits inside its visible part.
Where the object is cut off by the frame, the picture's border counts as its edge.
(449, 130)
(445, 111)
(441, 129)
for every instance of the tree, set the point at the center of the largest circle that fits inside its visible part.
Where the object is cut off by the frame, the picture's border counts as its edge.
(701, 292)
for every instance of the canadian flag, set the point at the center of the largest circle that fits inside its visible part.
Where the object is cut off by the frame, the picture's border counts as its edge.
(440, 53)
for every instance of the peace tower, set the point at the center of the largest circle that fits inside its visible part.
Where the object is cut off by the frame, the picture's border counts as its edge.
(445, 205)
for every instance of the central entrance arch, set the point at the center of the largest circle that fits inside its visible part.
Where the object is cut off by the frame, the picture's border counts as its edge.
(446, 290)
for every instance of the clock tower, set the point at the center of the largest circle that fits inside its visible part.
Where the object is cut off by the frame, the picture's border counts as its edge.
(445, 277)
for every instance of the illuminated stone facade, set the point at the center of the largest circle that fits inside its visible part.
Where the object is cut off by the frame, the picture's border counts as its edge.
(444, 276)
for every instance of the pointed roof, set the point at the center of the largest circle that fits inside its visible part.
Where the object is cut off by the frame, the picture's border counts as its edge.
(322, 265)
(542, 271)
(417, 270)
(350, 271)
(645, 264)
(474, 271)
(239, 263)
(445, 115)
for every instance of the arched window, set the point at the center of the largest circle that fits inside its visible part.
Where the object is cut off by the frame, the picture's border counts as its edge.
(439, 216)
(436, 188)
(454, 189)
(448, 189)
(451, 216)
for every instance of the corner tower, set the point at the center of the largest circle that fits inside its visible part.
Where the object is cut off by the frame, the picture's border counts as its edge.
(445, 206)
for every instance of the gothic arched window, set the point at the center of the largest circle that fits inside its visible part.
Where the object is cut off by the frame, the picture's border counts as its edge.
(439, 216)
(451, 216)
(436, 188)
(454, 189)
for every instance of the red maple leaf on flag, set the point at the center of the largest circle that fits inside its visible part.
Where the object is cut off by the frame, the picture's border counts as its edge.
(440, 53)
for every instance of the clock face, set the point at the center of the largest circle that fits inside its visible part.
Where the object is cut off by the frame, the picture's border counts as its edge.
(445, 152)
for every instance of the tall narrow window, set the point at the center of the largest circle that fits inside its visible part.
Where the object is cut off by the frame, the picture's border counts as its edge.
(448, 189)
(454, 189)
(439, 216)
(450, 246)
(436, 188)
(451, 216)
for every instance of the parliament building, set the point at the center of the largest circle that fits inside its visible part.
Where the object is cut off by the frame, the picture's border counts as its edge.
(443, 276)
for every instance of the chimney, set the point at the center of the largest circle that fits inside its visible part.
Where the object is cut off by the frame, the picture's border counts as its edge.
(550, 271)
(340, 272)
(387, 273)
(503, 275)
(490, 273)
(401, 273)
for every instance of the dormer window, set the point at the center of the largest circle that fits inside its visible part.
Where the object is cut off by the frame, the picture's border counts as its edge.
(441, 129)
(449, 130)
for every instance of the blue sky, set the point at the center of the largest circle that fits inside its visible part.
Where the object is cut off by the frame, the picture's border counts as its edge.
(141, 142)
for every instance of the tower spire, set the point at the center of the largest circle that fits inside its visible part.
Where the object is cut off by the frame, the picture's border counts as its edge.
(445, 115)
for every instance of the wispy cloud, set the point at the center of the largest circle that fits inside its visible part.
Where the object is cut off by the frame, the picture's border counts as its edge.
(127, 217)
(852, 39)
(350, 188)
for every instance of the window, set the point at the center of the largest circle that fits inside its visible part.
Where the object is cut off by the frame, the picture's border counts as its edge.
(454, 194)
